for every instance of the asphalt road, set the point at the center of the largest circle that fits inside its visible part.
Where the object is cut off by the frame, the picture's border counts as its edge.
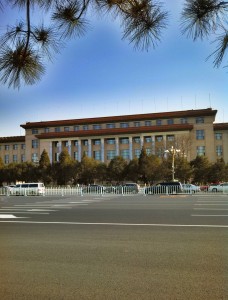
(126, 247)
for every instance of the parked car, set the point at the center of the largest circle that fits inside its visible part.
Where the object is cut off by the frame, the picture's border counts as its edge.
(94, 188)
(172, 187)
(222, 187)
(190, 188)
(26, 189)
(204, 188)
(9, 187)
(132, 188)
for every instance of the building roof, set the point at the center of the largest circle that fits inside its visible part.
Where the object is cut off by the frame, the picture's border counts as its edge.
(12, 139)
(122, 118)
(115, 131)
(221, 126)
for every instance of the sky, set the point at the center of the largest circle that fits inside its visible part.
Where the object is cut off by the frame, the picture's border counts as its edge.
(102, 75)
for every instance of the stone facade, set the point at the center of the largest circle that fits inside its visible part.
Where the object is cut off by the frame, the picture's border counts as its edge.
(192, 131)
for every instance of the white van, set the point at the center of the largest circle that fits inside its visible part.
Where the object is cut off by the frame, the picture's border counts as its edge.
(26, 189)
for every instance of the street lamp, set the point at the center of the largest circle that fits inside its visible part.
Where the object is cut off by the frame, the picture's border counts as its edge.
(173, 151)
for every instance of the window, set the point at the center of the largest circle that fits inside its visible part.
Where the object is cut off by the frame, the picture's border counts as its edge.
(14, 158)
(34, 144)
(22, 157)
(15, 146)
(199, 120)
(76, 127)
(159, 138)
(65, 144)
(6, 158)
(183, 120)
(57, 129)
(23, 146)
(56, 156)
(96, 126)
(75, 155)
(218, 136)
(148, 139)
(219, 150)
(76, 143)
(111, 141)
(85, 127)
(85, 142)
(170, 138)
(34, 131)
(137, 124)
(136, 140)
(200, 134)
(148, 151)
(66, 128)
(35, 157)
(170, 121)
(111, 125)
(124, 140)
(96, 142)
(200, 150)
(159, 122)
(137, 153)
(125, 153)
(147, 123)
(111, 154)
(7, 147)
(124, 125)
(46, 130)
(97, 155)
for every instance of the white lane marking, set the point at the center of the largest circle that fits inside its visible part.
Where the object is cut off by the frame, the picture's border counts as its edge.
(209, 215)
(10, 217)
(28, 212)
(118, 224)
(210, 204)
(202, 208)
(212, 201)
(7, 216)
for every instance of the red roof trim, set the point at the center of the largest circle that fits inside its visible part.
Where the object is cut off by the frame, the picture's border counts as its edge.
(221, 126)
(11, 139)
(115, 131)
(123, 118)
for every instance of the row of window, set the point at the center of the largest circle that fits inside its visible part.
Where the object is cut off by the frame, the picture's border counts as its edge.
(200, 150)
(158, 122)
(110, 154)
(15, 158)
(112, 141)
(14, 147)
(200, 135)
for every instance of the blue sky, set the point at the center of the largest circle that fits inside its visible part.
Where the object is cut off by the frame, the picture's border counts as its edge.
(102, 75)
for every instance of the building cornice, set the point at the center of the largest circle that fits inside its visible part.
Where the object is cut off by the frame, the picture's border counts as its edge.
(11, 139)
(116, 131)
(220, 126)
(122, 118)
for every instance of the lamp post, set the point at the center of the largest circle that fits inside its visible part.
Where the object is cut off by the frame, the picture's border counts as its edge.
(173, 151)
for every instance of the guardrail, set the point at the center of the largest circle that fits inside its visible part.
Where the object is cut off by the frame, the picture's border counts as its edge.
(100, 190)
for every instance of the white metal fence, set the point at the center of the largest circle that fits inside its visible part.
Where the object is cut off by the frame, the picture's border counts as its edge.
(104, 190)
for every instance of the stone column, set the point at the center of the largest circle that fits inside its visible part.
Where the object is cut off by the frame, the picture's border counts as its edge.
(117, 146)
(102, 149)
(130, 147)
(50, 152)
(89, 148)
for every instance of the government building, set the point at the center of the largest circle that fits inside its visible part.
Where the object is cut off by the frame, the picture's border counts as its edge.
(193, 132)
